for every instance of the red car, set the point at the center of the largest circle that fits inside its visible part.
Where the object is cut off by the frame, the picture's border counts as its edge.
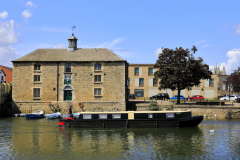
(196, 97)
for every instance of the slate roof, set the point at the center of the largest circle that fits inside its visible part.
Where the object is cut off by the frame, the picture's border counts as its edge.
(89, 54)
(8, 68)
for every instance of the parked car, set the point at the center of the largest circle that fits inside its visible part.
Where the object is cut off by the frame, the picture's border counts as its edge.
(160, 96)
(176, 97)
(231, 98)
(196, 97)
(131, 96)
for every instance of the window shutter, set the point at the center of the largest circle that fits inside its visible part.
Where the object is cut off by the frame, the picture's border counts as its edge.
(150, 82)
(140, 71)
(136, 81)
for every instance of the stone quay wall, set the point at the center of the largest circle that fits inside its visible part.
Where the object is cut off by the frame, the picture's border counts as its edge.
(63, 106)
(225, 112)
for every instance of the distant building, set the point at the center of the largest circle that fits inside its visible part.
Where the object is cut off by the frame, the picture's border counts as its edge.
(143, 84)
(5, 74)
(217, 71)
(95, 77)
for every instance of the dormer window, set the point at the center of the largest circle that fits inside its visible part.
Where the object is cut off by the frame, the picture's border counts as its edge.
(68, 67)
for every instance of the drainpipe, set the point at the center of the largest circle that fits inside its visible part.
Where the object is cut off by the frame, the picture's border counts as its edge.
(57, 78)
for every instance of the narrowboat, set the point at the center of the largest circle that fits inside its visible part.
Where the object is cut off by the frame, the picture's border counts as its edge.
(132, 119)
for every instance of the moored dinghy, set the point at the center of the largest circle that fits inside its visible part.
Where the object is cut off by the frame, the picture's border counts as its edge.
(54, 115)
(35, 114)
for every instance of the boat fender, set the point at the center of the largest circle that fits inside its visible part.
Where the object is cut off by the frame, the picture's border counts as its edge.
(80, 104)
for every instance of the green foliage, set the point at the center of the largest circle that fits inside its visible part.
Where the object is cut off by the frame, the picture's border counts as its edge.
(178, 69)
(215, 98)
(152, 106)
(234, 80)
(168, 108)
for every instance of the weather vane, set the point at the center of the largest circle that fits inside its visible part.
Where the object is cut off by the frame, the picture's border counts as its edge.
(73, 27)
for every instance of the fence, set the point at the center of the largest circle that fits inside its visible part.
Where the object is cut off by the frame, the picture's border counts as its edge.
(4, 88)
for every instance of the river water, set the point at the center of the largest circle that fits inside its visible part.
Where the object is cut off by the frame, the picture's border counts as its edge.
(21, 138)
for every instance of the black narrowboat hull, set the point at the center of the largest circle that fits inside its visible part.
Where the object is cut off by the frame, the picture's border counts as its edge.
(133, 123)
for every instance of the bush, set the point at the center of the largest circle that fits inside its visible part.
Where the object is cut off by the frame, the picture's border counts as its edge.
(168, 108)
(152, 106)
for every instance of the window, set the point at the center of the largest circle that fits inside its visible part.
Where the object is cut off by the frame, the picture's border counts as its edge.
(102, 116)
(97, 67)
(37, 67)
(36, 78)
(116, 116)
(67, 79)
(139, 92)
(136, 71)
(36, 92)
(128, 82)
(97, 92)
(2, 78)
(211, 83)
(141, 82)
(97, 78)
(155, 82)
(150, 71)
(87, 116)
(226, 87)
(68, 67)
(218, 86)
(224, 79)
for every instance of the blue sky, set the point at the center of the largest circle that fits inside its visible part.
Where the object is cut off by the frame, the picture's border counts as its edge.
(135, 30)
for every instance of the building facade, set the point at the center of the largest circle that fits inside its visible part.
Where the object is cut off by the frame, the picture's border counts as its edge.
(143, 84)
(5, 74)
(96, 77)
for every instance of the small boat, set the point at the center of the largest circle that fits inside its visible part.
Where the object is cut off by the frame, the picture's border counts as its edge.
(54, 115)
(35, 114)
(133, 119)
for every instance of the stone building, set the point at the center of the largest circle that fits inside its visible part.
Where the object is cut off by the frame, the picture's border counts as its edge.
(143, 84)
(94, 76)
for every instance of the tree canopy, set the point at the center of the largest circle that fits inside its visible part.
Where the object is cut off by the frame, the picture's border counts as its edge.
(234, 80)
(178, 69)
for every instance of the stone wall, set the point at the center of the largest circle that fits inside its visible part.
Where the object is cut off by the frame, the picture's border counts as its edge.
(113, 85)
(207, 111)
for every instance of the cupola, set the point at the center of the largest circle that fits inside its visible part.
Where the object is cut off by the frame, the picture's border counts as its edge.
(72, 43)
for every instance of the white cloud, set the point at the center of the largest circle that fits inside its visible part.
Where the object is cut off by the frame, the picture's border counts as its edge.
(31, 4)
(4, 14)
(7, 33)
(157, 52)
(7, 38)
(111, 44)
(26, 14)
(236, 27)
(233, 61)
(60, 46)
(200, 42)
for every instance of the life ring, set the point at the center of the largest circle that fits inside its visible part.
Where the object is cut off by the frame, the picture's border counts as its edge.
(80, 104)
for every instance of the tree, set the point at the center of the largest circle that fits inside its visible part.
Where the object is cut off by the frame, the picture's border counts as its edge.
(234, 80)
(178, 69)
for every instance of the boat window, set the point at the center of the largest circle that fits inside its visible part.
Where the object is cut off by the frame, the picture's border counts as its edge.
(116, 116)
(87, 116)
(150, 115)
(169, 115)
(102, 116)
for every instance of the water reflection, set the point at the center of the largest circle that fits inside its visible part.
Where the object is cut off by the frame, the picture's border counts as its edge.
(44, 139)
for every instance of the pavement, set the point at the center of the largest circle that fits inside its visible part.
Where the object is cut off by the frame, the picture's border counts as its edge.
(186, 102)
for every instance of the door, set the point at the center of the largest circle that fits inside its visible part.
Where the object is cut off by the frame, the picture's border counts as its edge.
(68, 95)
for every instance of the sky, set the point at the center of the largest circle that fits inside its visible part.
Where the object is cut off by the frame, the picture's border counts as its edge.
(136, 30)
